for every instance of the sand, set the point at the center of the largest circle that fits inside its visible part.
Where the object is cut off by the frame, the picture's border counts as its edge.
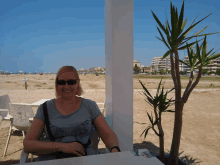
(200, 142)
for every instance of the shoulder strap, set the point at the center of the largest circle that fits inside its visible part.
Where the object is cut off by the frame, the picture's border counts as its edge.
(47, 122)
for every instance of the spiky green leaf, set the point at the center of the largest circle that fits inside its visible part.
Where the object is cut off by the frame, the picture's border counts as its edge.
(146, 130)
(181, 18)
(201, 31)
(166, 54)
(210, 51)
(189, 39)
(204, 49)
(159, 23)
(183, 25)
(184, 63)
(158, 88)
(164, 41)
(214, 53)
(149, 103)
(214, 56)
(169, 111)
(187, 45)
(194, 20)
(170, 90)
(192, 26)
(198, 52)
(145, 89)
(151, 120)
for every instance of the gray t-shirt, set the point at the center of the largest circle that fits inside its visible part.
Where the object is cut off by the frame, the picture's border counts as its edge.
(76, 126)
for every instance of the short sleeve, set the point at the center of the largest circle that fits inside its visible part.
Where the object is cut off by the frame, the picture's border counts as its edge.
(40, 114)
(95, 111)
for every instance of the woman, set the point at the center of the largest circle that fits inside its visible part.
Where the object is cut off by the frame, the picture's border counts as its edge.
(71, 119)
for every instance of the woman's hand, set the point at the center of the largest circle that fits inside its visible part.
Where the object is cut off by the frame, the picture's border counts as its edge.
(73, 147)
(114, 150)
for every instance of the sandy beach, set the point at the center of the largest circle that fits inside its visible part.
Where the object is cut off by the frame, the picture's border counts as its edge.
(200, 142)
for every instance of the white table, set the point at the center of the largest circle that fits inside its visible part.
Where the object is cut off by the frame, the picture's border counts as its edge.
(4, 113)
(35, 105)
(118, 158)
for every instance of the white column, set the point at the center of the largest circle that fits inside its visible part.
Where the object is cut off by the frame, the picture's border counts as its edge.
(119, 69)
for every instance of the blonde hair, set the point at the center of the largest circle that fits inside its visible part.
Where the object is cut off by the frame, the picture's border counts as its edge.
(66, 69)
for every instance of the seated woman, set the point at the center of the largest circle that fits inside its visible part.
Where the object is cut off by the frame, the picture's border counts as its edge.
(71, 119)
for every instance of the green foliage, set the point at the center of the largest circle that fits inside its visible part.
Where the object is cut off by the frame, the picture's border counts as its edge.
(183, 72)
(136, 69)
(198, 59)
(154, 72)
(218, 71)
(211, 72)
(162, 71)
(204, 71)
(175, 40)
(176, 37)
(160, 103)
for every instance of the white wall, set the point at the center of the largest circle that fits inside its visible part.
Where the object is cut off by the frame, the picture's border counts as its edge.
(119, 69)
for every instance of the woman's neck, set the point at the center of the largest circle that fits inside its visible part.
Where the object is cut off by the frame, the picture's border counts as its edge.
(66, 101)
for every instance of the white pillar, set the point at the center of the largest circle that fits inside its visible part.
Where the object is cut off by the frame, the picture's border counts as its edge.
(119, 69)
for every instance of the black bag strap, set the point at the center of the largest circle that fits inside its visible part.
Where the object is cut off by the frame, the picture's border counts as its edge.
(49, 131)
(47, 122)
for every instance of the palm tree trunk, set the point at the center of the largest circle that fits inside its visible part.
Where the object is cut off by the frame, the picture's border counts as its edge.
(161, 137)
(173, 159)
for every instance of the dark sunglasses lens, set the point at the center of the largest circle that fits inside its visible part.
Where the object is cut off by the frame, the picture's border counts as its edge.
(61, 82)
(71, 82)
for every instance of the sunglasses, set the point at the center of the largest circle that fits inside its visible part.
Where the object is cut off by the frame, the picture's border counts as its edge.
(69, 82)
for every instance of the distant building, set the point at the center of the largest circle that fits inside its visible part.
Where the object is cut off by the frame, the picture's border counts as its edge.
(20, 72)
(135, 62)
(147, 69)
(7, 72)
(213, 66)
(99, 69)
(159, 63)
(1, 72)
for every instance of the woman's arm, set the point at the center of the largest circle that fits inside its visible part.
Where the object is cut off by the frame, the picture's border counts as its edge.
(33, 145)
(40, 147)
(107, 135)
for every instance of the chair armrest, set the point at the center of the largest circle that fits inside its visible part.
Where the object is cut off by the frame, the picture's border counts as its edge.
(31, 119)
(8, 117)
(24, 157)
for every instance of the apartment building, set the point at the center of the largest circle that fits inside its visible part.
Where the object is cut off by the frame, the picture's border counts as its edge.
(159, 63)
(213, 66)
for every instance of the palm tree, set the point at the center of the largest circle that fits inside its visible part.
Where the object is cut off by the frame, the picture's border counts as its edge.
(175, 38)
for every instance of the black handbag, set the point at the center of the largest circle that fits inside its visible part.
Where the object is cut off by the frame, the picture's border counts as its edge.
(60, 155)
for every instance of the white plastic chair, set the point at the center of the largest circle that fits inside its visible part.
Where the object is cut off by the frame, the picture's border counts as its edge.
(19, 117)
(4, 105)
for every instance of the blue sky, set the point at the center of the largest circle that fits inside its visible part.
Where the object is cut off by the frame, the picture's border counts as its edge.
(43, 35)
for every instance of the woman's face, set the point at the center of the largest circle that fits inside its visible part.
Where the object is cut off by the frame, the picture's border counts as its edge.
(67, 91)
